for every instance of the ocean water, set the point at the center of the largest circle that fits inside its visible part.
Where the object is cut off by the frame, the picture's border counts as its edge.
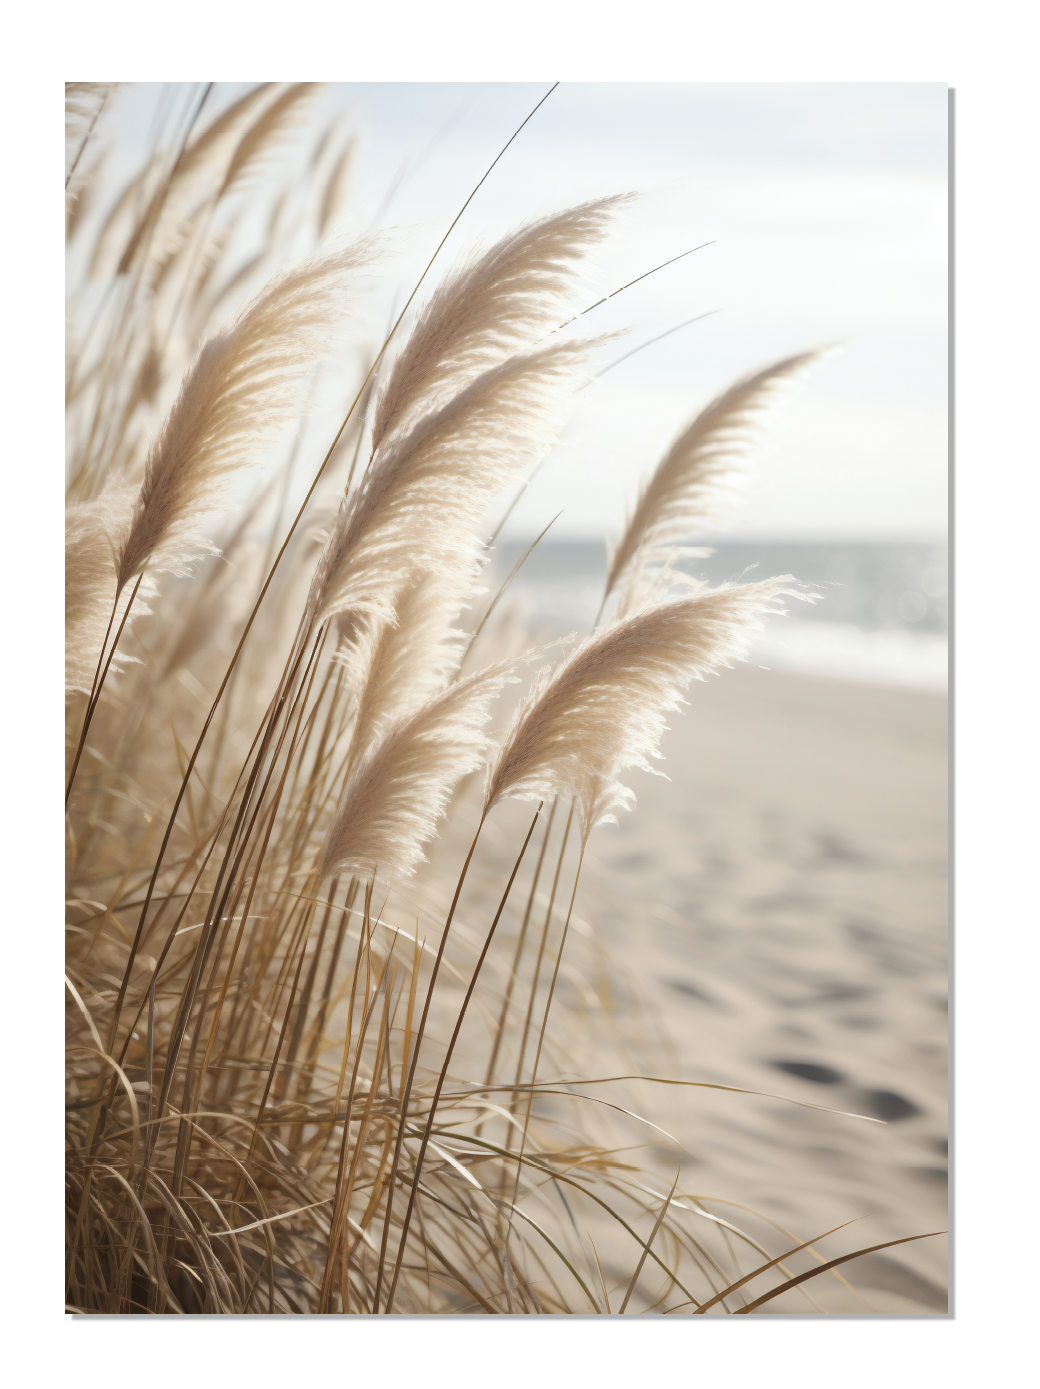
(882, 616)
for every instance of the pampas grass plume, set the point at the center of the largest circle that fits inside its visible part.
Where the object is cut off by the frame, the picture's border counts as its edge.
(694, 484)
(399, 790)
(500, 304)
(427, 489)
(245, 383)
(602, 710)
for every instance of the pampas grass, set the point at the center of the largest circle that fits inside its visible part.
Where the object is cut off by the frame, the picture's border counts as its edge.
(399, 789)
(295, 929)
(602, 710)
(246, 382)
(696, 483)
(425, 490)
(502, 303)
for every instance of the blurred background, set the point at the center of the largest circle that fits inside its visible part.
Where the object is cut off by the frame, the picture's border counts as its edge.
(820, 214)
(775, 913)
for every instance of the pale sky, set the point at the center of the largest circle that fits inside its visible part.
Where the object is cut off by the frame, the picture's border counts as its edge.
(827, 207)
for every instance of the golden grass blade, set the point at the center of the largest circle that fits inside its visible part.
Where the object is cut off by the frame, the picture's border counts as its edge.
(764, 1268)
(447, 1061)
(696, 1084)
(833, 1263)
(653, 1235)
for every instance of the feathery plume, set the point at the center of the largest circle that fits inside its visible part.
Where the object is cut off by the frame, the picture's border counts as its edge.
(105, 254)
(337, 186)
(602, 709)
(696, 481)
(83, 103)
(161, 227)
(80, 194)
(504, 302)
(399, 790)
(246, 381)
(271, 128)
(426, 489)
(395, 667)
(223, 596)
(90, 580)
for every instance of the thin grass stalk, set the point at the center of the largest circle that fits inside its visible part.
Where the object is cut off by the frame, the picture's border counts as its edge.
(498, 596)
(541, 946)
(381, 1059)
(268, 728)
(642, 1258)
(339, 1202)
(319, 1024)
(349, 1034)
(548, 1004)
(271, 721)
(500, 1029)
(214, 914)
(407, 1091)
(444, 1068)
(305, 934)
(308, 988)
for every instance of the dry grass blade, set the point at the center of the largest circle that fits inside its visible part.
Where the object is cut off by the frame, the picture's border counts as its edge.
(764, 1268)
(833, 1263)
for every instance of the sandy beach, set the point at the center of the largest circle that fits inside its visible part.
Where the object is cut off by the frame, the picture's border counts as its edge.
(792, 876)
(773, 917)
